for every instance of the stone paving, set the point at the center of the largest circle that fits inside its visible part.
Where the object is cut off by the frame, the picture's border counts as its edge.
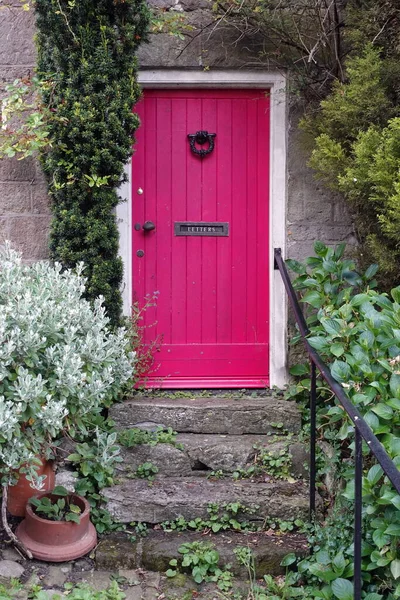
(136, 584)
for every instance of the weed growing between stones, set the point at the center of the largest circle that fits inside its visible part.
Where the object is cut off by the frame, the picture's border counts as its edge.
(97, 455)
(146, 471)
(202, 560)
(277, 465)
(136, 437)
(230, 517)
(14, 589)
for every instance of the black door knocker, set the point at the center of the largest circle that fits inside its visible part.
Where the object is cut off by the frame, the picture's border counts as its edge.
(201, 137)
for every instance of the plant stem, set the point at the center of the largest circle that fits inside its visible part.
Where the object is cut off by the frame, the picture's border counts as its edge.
(7, 528)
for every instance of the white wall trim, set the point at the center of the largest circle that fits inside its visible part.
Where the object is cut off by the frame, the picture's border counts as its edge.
(124, 219)
(276, 82)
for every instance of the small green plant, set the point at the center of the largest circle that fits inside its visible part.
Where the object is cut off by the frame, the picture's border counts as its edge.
(201, 559)
(137, 530)
(245, 473)
(273, 588)
(85, 592)
(278, 465)
(216, 474)
(58, 506)
(95, 460)
(221, 518)
(146, 471)
(136, 437)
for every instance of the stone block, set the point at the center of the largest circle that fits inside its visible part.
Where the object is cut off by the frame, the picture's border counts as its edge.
(16, 33)
(340, 211)
(164, 4)
(55, 576)
(318, 208)
(164, 50)
(268, 551)
(165, 499)
(189, 5)
(66, 479)
(169, 460)
(98, 580)
(10, 554)
(8, 74)
(15, 198)
(234, 416)
(40, 199)
(205, 453)
(9, 569)
(12, 169)
(116, 552)
(30, 235)
(300, 250)
(4, 235)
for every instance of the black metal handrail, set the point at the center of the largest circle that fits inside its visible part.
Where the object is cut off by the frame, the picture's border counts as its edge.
(361, 427)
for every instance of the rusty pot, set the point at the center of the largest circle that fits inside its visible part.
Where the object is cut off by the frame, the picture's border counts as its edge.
(19, 494)
(58, 541)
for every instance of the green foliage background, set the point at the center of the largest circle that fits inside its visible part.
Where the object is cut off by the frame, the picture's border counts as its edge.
(87, 70)
(343, 65)
(356, 330)
(357, 151)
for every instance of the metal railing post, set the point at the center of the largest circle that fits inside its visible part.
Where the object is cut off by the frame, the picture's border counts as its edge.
(313, 436)
(358, 459)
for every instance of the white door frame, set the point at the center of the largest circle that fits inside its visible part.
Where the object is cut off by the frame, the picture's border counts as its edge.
(276, 83)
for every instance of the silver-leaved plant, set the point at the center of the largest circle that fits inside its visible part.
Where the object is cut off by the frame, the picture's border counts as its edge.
(58, 358)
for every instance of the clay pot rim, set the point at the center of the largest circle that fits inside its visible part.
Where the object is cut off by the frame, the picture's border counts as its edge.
(32, 513)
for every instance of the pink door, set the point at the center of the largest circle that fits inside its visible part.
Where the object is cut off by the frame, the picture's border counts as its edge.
(207, 255)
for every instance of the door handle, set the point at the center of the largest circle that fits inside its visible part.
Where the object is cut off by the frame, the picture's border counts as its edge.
(149, 226)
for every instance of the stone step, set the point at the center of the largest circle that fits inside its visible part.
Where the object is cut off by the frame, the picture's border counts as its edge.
(203, 453)
(165, 499)
(235, 416)
(154, 551)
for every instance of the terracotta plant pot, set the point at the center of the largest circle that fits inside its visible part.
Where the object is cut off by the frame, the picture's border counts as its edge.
(19, 494)
(58, 541)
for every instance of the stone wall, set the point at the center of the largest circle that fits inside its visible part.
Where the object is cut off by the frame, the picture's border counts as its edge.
(24, 206)
(313, 213)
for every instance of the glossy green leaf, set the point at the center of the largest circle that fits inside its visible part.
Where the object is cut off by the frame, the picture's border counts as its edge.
(343, 589)
(337, 349)
(382, 410)
(313, 298)
(395, 568)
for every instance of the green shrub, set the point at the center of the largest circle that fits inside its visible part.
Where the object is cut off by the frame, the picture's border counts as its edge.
(357, 151)
(87, 74)
(356, 330)
(59, 363)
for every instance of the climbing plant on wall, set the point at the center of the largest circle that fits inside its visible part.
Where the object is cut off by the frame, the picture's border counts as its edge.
(87, 74)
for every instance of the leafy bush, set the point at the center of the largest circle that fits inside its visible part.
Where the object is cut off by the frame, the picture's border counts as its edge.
(357, 151)
(356, 330)
(59, 362)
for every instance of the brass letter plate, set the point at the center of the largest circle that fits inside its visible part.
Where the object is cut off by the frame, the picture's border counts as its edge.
(202, 229)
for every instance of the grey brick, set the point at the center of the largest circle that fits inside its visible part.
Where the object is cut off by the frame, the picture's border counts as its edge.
(40, 199)
(30, 235)
(17, 170)
(16, 34)
(15, 198)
